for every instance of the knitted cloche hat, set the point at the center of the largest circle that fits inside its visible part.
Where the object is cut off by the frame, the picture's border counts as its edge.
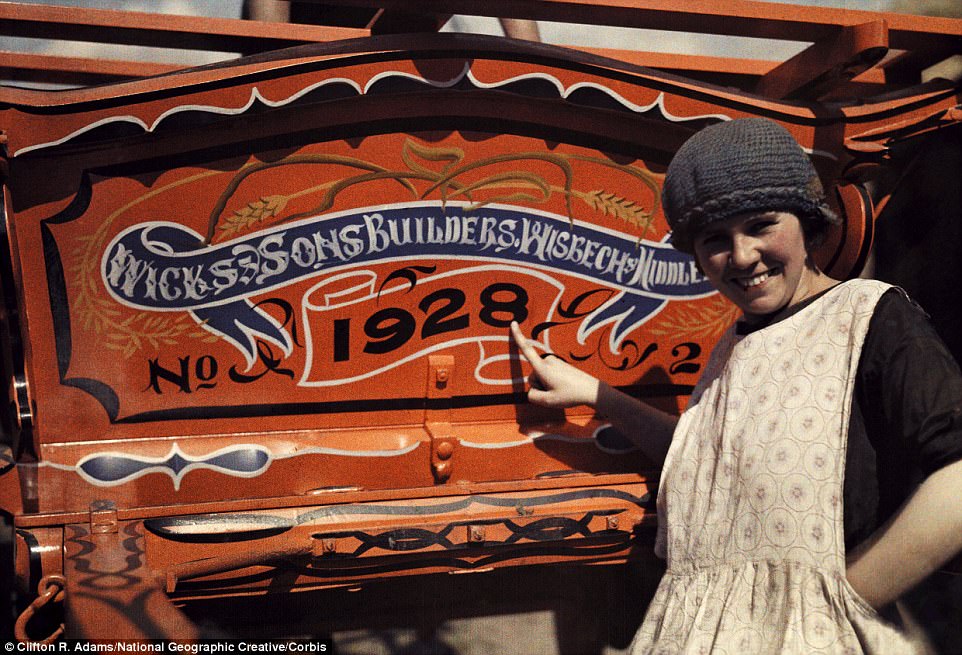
(742, 165)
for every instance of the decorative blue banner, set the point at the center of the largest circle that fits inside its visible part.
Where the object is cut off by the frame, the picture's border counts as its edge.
(164, 266)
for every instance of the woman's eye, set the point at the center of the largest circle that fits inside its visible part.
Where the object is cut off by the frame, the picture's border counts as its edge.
(711, 240)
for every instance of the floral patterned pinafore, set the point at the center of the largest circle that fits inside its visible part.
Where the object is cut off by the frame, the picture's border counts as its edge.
(750, 500)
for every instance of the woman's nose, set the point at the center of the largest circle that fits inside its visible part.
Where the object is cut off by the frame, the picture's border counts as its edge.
(744, 252)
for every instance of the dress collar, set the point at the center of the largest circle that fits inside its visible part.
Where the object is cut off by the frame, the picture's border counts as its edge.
(744, 328)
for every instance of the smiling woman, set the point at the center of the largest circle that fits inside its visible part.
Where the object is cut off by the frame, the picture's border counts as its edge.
(824, 392)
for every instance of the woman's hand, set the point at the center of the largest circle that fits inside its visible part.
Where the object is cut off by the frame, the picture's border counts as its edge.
(555, 382)
(923, 535)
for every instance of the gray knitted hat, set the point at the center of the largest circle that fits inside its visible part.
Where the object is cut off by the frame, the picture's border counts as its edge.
(743, 165)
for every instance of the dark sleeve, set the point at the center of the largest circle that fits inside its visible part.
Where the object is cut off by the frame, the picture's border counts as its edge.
(909, 395)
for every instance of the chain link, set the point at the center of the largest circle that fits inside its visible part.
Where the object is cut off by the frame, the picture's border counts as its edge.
(50, 589)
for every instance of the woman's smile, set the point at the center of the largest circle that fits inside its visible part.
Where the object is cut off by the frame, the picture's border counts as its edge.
(757, 280)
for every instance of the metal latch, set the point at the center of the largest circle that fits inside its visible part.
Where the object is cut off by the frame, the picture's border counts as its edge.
(437, 415)
(103, 517)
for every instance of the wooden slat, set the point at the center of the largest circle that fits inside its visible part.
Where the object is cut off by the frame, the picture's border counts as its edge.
(117, 69)
(54, 69)
(704, 65)
(23, 66)
(735, 17)
(160, 30)
(828, 63)
(748, 18)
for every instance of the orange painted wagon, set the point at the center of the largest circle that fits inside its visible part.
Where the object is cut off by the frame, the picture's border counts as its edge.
(255, 318)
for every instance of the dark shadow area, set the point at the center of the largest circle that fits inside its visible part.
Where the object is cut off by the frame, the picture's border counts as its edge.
(590, 608)
(7, 603)
(919, 235)
(919, 247)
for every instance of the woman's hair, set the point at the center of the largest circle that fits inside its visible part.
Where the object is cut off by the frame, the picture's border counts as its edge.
(747, 165)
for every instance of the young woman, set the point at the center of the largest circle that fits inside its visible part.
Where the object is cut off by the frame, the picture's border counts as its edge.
(815, 475)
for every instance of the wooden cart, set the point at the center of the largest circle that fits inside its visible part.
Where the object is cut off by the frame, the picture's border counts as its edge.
(255, 313)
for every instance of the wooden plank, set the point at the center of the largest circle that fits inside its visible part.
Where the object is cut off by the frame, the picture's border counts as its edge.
(706, 66)
(828, 63)
(160, 30)
(54, 69)
(23, 65)
(748, 18)
(743, 73)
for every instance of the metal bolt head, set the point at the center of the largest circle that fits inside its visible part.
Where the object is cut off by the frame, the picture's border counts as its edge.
(442, 471)
(444, 450)
(612, 522)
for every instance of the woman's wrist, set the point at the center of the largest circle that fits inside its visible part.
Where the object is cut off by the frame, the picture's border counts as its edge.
(596, 393)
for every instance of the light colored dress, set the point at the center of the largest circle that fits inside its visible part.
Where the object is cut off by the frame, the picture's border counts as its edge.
(750, 499)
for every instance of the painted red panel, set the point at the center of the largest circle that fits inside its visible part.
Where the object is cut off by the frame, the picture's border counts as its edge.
(233, 281)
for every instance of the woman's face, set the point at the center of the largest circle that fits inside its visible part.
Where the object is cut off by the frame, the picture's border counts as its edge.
(758, 261)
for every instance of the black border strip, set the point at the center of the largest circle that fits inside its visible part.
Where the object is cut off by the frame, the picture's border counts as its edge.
(361, 406)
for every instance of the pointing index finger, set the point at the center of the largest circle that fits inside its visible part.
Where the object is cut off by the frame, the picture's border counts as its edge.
(525, 346)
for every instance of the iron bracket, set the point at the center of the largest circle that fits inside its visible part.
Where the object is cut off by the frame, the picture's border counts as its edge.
(103, 517)
(437, 415)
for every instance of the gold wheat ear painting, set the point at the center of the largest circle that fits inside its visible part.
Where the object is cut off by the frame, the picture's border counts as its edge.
(444, 173)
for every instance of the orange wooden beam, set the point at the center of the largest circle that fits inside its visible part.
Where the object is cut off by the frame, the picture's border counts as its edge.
(734, 18)
(703, 65)
(54, 69)
(828, 63)
(160, 30)
(749, 18)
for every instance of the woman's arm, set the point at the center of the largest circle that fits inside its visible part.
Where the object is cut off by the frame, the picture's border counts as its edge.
(556, 383)
(922, 536)
(911, 390)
